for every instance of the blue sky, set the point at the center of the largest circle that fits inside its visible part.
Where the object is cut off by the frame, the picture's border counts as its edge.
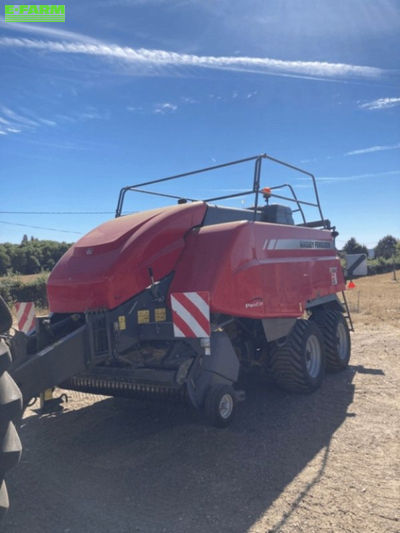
(129, 90)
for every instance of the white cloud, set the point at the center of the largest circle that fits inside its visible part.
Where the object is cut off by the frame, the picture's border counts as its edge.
(47, 122)
(17, 118)
(165, 59)
(327, 180)
(24, 120)
(48, 31)
(380, 103)
(371, 149)
(189, 100)
(335, 179)
(165, 107)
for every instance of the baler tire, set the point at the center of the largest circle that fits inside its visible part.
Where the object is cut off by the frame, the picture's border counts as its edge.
(10, 415)
(337, 339)
(298, 365)
(219, 405)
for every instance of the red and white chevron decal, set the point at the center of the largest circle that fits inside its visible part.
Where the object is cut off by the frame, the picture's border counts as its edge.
(25, 316)
(191, 314)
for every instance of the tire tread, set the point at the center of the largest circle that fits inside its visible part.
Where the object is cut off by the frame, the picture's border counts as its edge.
(287, 364)
(10, 414)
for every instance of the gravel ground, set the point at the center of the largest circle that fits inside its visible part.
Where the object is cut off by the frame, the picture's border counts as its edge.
(324, 462)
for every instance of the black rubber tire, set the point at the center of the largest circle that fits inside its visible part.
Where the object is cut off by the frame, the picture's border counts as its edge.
(212, 405)
(329, 322)
(289, 366)
(10, 415)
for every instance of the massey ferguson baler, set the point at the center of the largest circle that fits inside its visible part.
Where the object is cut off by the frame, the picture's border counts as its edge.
(177, 301)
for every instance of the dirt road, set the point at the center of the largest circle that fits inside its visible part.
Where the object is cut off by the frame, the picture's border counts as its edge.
(324, 462)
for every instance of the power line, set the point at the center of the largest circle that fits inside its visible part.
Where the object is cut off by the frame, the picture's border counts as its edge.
(57, 212)
(39, 227)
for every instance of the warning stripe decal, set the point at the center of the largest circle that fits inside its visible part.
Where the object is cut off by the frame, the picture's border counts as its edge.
(25, 316)
(191, 314)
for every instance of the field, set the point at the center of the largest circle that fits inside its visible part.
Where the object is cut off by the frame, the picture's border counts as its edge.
(327, 462)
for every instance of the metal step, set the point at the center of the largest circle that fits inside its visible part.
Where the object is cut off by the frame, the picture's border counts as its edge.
(347, 316)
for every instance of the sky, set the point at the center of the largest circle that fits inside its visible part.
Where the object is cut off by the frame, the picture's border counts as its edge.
(127, 91)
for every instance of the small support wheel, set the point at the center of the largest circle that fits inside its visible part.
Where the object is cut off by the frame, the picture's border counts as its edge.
(220, 405)
(298, 365)
(337, 339)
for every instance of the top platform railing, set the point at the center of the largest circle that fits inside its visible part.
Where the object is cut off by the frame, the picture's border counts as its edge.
(254, 190)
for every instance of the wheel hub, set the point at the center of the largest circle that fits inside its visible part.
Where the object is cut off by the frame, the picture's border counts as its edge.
(225, 406)
(313, 356)
(342, 341)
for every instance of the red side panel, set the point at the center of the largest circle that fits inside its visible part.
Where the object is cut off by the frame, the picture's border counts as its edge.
(110, 264)
(259, 270)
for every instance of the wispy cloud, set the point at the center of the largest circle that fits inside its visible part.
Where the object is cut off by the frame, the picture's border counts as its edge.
(134, 108)
(17, 118)
(13, 122)
(47, 31)
(371, 149)
(326, 180)
(23, 120)
(189, 100)
(164, 59)
(380, 103)
(165, 107)
(355, 177)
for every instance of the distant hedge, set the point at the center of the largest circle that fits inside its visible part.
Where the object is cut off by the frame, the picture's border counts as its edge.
(13, 289)
(381, 265)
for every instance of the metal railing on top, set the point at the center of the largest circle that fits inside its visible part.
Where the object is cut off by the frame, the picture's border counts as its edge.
(254, 190)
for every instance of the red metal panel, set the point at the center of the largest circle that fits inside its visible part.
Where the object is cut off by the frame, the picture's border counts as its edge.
(110, 264)
(246, 277)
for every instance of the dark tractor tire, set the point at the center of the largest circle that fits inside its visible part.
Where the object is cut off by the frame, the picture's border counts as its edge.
(220, 405)
(298, 365)
(337, 339)
(10, 415)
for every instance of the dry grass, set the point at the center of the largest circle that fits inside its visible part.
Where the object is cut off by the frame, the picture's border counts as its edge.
(375, 299)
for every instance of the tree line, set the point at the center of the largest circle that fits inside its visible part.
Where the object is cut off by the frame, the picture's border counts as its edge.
(31, 256)
(387, 248)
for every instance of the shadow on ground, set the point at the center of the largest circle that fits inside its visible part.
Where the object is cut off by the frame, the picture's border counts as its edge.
(125, 466)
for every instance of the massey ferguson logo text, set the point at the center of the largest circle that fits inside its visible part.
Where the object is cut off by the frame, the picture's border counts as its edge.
(35, 13)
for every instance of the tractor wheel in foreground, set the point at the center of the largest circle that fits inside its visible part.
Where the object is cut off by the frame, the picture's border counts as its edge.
(220, 405)
(10, 413)
(337, 339)
(299, 364)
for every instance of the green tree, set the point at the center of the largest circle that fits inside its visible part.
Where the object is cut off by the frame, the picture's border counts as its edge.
(386, 247)
(31, 256)
(354, 247)
(5, 261)
(32, 263)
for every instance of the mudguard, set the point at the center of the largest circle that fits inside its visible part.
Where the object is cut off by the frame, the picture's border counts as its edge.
(221, 367)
